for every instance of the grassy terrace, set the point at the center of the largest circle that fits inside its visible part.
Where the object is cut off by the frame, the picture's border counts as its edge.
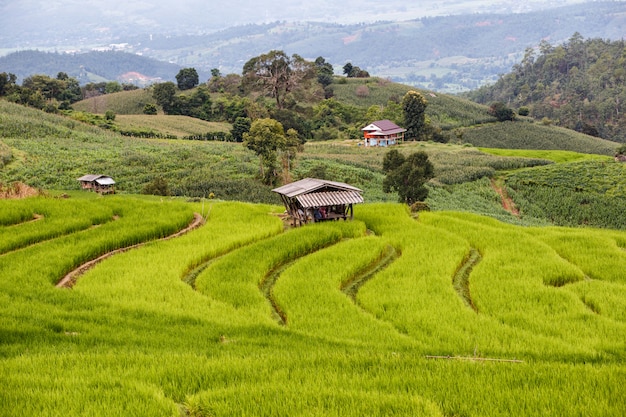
(544, 334)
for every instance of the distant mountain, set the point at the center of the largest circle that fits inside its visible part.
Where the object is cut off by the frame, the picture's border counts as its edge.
(451, 53)
(90, 66)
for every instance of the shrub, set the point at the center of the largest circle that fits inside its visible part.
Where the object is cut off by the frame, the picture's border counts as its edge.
(150, 109)
(157, 186)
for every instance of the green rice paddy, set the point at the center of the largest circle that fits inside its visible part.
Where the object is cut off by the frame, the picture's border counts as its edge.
(241, 317)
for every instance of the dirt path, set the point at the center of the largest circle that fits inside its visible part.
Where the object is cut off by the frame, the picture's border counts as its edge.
(507, 202)
(70, 279)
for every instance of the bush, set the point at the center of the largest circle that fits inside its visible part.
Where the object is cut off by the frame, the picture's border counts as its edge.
(501, 112)
(150, 109)
(157, 186)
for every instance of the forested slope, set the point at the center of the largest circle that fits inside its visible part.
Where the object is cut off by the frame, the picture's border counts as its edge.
(580, 85)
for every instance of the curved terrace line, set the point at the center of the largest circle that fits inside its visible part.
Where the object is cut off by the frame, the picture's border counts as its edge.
(36, 217)
(460, 281)
(46, 238)
(70, 279)
(266, 287)
(353, 285)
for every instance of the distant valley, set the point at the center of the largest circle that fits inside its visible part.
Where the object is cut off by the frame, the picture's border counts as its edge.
(451, 53)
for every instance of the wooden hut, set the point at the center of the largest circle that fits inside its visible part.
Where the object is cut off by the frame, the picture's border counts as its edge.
(314, 200)
(102, 184)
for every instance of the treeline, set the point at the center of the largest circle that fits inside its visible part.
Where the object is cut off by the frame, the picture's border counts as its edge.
(53, 94)
(580, 85)
(289, 89)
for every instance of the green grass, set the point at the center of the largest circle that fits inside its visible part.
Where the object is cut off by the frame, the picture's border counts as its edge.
(445, 111)
(133, 338)
(550, 155)
(51, 152)
(123, 102)
(179, 126)
(588, 192)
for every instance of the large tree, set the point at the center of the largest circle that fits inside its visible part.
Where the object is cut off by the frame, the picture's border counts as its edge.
(187, 78)
(324, 71)
(266, 138)
(7, 83)
(414, 108)
(277, 74)
(165, 94)
(407, 175)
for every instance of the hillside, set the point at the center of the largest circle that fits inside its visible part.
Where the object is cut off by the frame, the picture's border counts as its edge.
(580, 85)
(61, 149)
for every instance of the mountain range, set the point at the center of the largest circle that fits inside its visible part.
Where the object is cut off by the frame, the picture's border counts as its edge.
(452, 53)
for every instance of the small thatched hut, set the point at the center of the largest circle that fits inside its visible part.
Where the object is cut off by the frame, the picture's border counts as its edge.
(99, 183)
(314, 200)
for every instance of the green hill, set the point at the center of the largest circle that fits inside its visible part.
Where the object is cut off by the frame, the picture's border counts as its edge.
(537, 136)
(123, 102)
(51, 151)
(580, 85)
(86, 67)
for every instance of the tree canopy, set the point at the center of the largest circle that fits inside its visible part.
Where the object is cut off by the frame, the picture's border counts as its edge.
(414, 109)
(187, 78)
(407, 175)
(266, 138)
(580, 84)
(277, 74)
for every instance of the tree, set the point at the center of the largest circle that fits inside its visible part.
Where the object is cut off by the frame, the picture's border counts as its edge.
(325, 71)
(352, 71)
(501, 112)
(164, 94)
(7, 83)
(266, 137)
(277, 74)
(240, 127)
(347, 69)
(414, 110)
(392, 160)
(158, 186)
(407, 176)
(112, 87)
(187, 78)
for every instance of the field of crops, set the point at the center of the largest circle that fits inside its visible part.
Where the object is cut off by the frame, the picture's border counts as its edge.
(535, 136)
(587, 192)
(447, 314)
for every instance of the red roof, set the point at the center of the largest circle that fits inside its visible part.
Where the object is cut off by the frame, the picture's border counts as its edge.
(383, 127)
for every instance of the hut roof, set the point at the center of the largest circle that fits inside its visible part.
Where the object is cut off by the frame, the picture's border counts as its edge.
(312, 192)
(383, 127)
(100, 179)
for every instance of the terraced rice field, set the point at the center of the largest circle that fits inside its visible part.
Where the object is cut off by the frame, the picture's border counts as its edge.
(447, 314)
